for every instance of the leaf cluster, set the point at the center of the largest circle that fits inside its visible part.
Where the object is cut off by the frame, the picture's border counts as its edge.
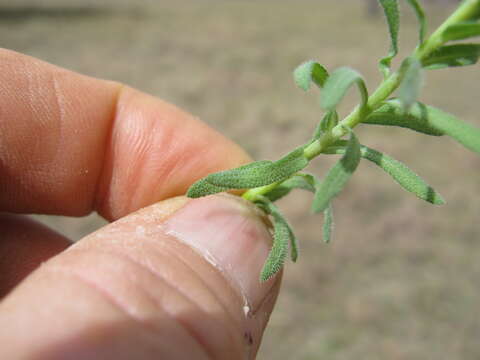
(268, 181)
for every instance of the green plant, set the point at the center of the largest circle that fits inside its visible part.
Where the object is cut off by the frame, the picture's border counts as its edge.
(268, 181)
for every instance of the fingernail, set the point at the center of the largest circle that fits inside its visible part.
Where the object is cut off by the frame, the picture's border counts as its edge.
(230, 233)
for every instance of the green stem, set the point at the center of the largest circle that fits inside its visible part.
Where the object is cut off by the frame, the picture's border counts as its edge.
(255, 193)
(386, 88)
(464, 12)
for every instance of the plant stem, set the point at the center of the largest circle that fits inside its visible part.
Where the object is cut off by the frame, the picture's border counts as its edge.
(467, 10)
(386, 88)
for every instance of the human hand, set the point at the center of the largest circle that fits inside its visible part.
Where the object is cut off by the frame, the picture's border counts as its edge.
(174, 280)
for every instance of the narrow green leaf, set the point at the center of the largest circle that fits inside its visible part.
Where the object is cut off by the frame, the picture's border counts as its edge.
(328, 122)
(264, 173)
(420, 13)
(278, 253)
(298, 181)
(404, 176)
(293, 245)
(282, 237)
(466, 134)
(279, 191)
(392, 113)
(428, 120)
(337, 176)
(390, 8)
(337, 85)
(278, 217)
(203, 188)
(461, 31)
(327, 223)
(308, 72)
(399, 172)
(452, 55)
(409, 89)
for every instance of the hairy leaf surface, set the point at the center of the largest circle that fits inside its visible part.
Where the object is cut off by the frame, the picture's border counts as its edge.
(308, 72)
(337, 176)
(203, 188)
(466, 134)
(428, 120)
(398, 171)
(392, 113)
(390, 8)
(452, 56)
(411, 72)
(337, 85)
(265, 173)
(282, 237)
(298, 181)
(461, 31)
(278, 253)
(327, 224)
(420, 13)
(329, 120)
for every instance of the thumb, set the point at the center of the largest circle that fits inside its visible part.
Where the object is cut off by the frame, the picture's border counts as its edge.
(176, 280)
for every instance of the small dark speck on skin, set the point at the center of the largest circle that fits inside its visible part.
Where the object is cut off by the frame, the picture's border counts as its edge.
(248, 338)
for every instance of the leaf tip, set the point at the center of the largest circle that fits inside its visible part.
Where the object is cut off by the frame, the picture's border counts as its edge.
(308, 72)
(192, 192)
(268, 273)
(439, 200)
(434, 197)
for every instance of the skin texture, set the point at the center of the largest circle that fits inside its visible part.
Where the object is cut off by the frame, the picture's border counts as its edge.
(170, 277)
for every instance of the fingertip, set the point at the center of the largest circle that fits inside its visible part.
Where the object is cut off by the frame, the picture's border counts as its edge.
(183, 270)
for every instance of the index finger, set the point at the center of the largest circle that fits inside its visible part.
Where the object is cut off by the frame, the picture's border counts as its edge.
(71, 144)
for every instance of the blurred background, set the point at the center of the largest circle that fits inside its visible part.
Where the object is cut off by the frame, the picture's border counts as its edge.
(401, 278)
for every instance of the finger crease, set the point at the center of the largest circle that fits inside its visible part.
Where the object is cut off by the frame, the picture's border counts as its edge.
(104, 293)
(203, 281)
(124, 308)
(96, 199)
(158, 276)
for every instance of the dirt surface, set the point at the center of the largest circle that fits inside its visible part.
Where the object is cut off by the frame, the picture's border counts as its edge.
(400, 280)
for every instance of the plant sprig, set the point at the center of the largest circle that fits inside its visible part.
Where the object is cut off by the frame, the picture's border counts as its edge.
(268, 181)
